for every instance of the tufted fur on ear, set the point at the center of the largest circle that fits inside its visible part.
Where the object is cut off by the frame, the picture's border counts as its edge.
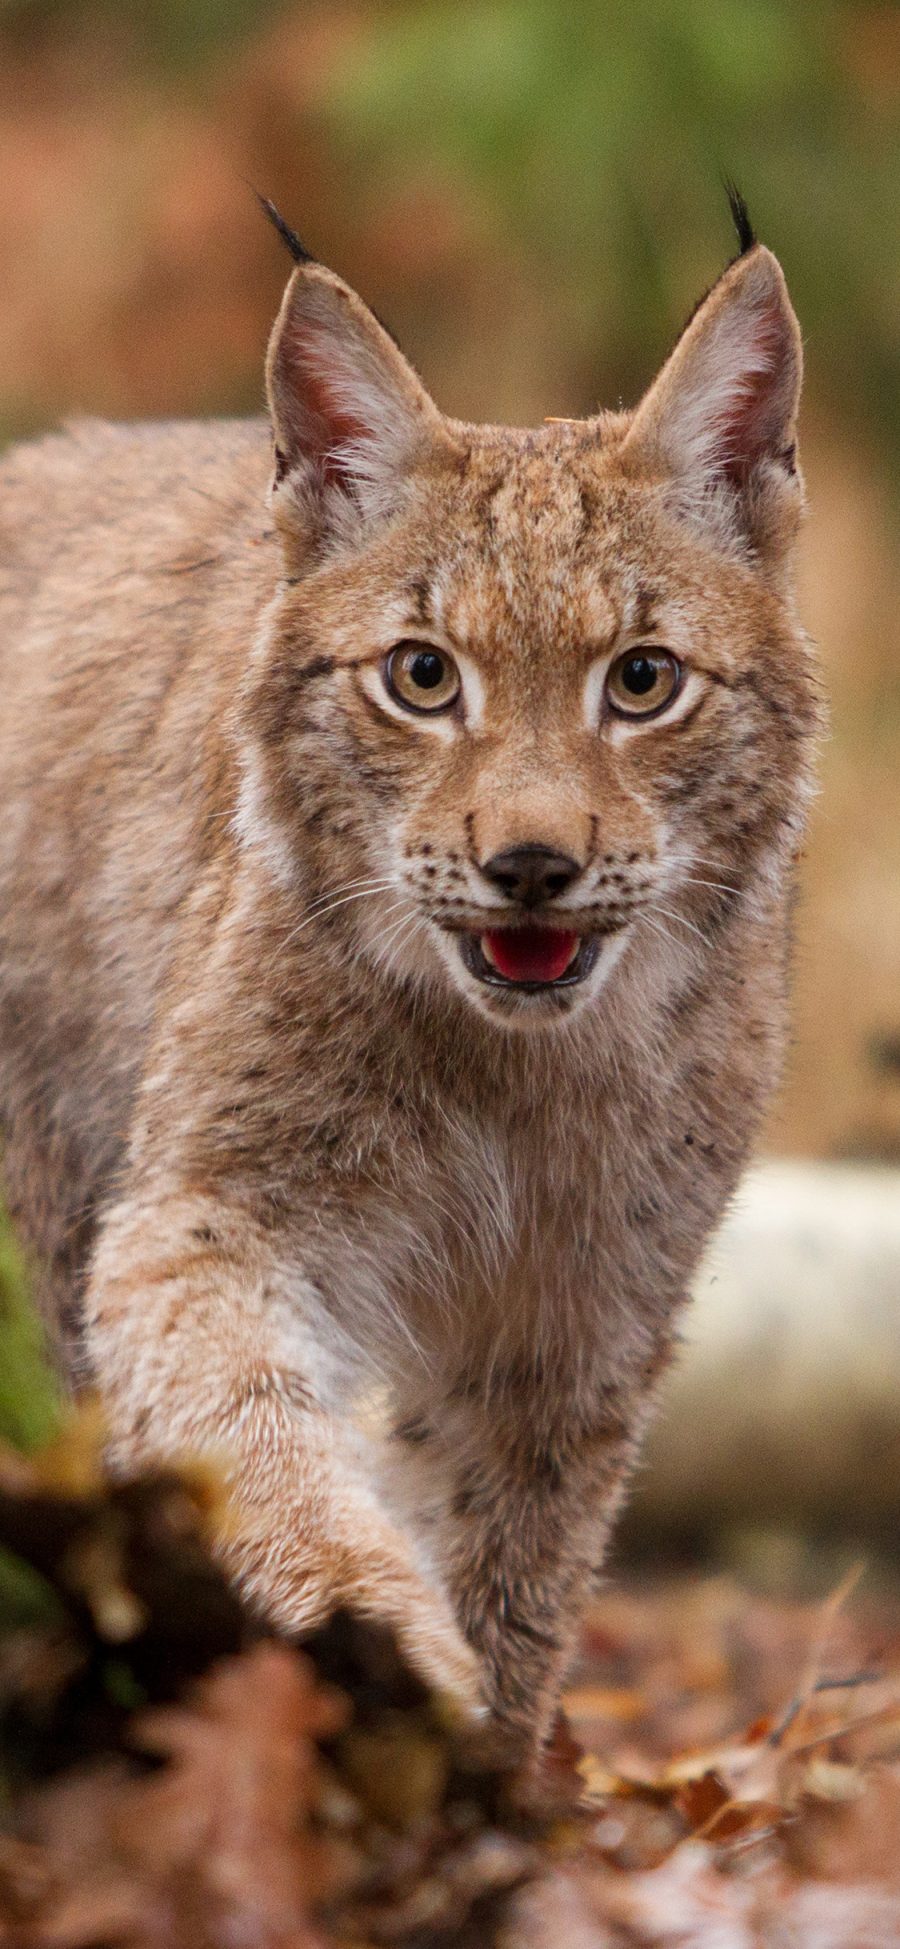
(720, 419)
(348, 412)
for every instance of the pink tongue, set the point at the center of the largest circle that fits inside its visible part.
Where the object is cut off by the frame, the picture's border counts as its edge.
(530, 953)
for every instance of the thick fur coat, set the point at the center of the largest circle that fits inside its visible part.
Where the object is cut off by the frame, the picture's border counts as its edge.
(308, 1182)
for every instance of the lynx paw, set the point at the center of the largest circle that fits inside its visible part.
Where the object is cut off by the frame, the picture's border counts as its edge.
(395, 1593)
(299, 1587)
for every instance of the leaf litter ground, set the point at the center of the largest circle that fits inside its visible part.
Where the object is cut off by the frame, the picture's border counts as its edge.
(727, 1773)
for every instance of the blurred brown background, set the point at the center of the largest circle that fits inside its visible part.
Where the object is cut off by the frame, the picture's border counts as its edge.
(529, 192)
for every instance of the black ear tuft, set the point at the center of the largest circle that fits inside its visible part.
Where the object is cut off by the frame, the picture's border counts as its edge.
(740, 217)
(289, 237)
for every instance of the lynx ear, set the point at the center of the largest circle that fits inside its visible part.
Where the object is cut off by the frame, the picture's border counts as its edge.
(348, 412)
(721, 416)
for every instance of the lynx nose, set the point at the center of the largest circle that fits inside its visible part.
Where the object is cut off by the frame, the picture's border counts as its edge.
(531, 874)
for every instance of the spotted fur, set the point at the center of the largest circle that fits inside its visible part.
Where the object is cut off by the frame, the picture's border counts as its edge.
(408, 1251)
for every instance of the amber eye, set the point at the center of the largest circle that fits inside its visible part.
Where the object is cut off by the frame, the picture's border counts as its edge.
(642, 682)
(421, 677)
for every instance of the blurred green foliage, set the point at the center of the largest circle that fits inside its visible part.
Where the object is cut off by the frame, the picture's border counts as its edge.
(170, 33)
(592, 135)
(598, 133)
(28, 1397)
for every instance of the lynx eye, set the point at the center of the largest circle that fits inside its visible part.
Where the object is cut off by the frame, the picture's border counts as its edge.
(421, 677)
(643, 682)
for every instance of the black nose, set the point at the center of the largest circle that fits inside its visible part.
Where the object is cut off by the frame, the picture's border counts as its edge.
(531, 874)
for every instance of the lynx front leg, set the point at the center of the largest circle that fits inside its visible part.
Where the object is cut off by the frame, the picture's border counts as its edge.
(198, 1343)
(531, 1502)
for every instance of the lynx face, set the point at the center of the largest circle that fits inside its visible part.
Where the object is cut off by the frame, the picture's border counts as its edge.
(510, 711)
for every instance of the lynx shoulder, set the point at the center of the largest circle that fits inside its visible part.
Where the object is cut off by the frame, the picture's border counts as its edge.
(399, 839)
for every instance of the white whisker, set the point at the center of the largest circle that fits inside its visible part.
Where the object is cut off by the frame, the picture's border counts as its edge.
(671, 914)
(718, 886)
(394, 936)
(366, 881)
(363, 880)
(390, 909)
(699, 859)
(658, 928)
(365, 893)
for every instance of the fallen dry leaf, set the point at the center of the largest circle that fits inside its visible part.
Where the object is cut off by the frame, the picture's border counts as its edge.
(728, 1776)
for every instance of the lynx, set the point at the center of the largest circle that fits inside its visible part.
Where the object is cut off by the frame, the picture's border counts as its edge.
(397, 857)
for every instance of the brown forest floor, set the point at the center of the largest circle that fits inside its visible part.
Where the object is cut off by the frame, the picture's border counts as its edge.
(728, 1774)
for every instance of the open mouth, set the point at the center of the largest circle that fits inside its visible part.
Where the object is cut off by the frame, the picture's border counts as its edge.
(530, 959)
